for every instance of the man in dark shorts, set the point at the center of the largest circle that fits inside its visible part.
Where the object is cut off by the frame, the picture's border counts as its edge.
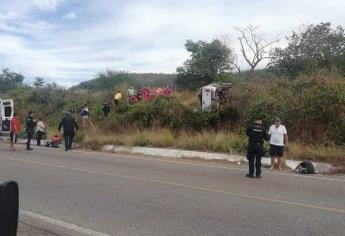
(278, 138)
(256, 136)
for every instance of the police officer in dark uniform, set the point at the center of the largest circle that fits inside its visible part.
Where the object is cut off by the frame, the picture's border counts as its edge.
(69, 126)
(256, 135)
(30, 127)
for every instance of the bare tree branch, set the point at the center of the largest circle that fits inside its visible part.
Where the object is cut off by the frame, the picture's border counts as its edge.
(253, 46)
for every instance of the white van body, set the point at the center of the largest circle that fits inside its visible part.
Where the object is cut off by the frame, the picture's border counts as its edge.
(213, 94)
(6, 114)
(207, 96)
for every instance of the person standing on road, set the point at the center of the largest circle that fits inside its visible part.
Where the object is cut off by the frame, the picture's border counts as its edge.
(40, 128)
(256, 136)
(69, 126)
(30, 127)
(278, 138)
(14, 130)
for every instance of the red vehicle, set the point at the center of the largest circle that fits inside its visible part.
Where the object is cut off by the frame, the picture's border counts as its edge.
(148, 94)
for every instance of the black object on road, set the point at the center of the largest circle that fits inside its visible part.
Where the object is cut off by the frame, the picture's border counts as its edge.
(9, 208)
(305, 167)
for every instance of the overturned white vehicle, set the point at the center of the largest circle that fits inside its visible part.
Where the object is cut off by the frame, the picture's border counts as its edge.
(213, 95)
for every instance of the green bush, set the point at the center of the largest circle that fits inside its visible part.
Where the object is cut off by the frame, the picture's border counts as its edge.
(266, 111)
(312, 108)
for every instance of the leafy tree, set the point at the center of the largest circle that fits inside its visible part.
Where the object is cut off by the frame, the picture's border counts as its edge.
(208, 62)
(317, 47)
(106, 81)
(10, 80)
(39, 82)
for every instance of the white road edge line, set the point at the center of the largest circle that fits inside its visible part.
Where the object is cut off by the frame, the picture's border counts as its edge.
(59, 223)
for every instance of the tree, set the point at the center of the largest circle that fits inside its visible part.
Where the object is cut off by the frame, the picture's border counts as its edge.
(47, 97)
(254, 47)
(107, 81)
(39, 82)
(234, 61)
(208, 62)
(317, 47)
(10, 80)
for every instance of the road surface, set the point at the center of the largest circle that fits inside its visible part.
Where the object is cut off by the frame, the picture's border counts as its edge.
(91, 193)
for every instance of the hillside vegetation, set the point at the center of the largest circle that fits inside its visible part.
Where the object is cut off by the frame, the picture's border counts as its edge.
(109, 80)
(307, 90)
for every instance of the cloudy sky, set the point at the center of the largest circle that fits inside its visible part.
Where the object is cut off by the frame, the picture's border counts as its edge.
(68, 41)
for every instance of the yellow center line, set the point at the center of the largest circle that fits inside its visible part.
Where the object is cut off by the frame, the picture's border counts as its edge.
(206, 189)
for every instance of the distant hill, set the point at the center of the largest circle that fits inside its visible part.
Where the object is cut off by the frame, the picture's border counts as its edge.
(110, 79)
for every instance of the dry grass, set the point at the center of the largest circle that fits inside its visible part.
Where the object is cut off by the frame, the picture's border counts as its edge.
(207, 141)
(332, 153)
(187, 98)
(210, 141)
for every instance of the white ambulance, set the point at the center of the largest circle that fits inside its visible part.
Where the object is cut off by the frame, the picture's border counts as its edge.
(6, 114)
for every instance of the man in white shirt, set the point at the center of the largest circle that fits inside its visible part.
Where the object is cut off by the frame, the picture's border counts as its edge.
(40, 128)
(278, 137)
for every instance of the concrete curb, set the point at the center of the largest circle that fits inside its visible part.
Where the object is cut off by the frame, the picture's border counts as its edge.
(173, 153)
(23, 141)
(178, 153)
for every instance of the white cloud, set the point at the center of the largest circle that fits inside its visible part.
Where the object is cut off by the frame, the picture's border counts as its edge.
(8, 16)
(71, 15)
(138, 36)
(29, 27)
(46, 4)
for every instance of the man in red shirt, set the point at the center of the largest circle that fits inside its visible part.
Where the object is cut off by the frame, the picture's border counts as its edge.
(14, 130)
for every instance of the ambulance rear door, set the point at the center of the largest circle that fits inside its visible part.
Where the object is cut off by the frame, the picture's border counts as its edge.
(6, 112)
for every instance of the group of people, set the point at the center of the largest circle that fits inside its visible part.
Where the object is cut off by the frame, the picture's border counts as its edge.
(133, 96)
(32, 126)
(257, 134)
(67, 124)
(146, 93)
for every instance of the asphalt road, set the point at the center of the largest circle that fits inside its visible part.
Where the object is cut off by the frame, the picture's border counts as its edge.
(89, 193)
